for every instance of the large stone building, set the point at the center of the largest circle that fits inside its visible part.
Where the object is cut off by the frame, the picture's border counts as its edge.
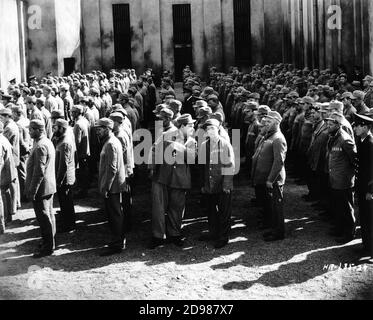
(37, 36)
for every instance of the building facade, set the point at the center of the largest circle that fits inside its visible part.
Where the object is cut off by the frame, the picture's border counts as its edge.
(65, 35)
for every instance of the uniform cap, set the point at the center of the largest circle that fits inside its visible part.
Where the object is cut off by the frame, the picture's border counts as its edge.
(105, 122)
(37, 124)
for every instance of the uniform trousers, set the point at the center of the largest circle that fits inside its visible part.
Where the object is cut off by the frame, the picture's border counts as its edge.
(2, 216)
(115, 216)
(342, 204)
(219, 211)
(65, 198)
(22, 176)
(366, 221)
(127, 207)
(274, 209)
(83, 179)
(167, 210)
(43, 207)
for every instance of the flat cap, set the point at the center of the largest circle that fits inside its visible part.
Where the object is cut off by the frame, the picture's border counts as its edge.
(175, 105)
(105, 122)
(335, 116)
(348, 95)
(212, 97)
(368, 78)
(166, 113)
(185, 119)
(37, 124)
(358, 94)
(217, 116)
(274, 115)
(57, 114)
(77, 108)
(211, 122)
(116, 115)
(62, 123)
(204, 111)
(5, 112)
(252, 105)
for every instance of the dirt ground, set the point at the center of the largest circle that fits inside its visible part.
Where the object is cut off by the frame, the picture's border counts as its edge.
(308, 264)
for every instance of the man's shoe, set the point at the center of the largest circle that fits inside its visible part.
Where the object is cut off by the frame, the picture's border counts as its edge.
(111, 251)
(177, 241)
(156, 242)
(221, 243)
(273, 237)
(42, 253)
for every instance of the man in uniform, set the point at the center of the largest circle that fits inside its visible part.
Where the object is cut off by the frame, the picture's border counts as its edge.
(217, 156)
(358, 102)
(8, 175)
(111, 183)
(268, 168)
(11, 132)
(341, 157)
(81, 134)
(41, 185)
(171, 155)
(65, 174)
(364, 185)
(24, 146)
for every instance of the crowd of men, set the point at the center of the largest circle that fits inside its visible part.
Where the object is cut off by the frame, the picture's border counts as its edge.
(57, 134)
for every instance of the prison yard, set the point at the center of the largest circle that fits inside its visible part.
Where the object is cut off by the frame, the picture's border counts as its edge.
(308, 264)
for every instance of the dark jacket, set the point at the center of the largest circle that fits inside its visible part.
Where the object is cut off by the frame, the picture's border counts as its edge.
(219, 168)
(40, 175)
(174, 172)
(112, 173)
(341, 160)
(269, 159)
(364, 183)
(65, 161)
(317, 150)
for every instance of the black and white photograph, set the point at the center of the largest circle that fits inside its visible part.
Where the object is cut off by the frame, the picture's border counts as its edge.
(186, 155)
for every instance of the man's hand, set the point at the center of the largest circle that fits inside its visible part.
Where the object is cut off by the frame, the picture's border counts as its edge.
(106, 194)
(226, 190)
(269, 185)
(203, 190)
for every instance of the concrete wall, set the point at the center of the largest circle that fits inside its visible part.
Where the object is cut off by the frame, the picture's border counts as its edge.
(293, 31)
(10, 60)
(68, 23)
(42, 42)
(313, 44)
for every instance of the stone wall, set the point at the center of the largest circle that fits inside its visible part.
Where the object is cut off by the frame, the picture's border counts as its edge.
(294, 31)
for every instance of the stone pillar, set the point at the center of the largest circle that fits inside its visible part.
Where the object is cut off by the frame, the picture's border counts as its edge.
(152, 35)
(257, 31)
(228, 34)
(91, 39)
(42, 40)
(68, 23)
(370, 11)
(213, 34)
(10, 60)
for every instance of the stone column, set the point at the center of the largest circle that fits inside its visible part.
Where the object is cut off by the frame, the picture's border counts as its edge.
(152, 35)
(370, 11)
